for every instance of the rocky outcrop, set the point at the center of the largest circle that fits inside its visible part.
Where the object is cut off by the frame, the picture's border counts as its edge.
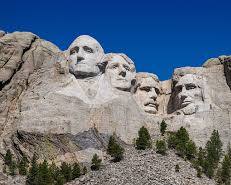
(64, 105)
(145, 167)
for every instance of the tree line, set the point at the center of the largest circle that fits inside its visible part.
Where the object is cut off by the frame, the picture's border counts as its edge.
(209, 160)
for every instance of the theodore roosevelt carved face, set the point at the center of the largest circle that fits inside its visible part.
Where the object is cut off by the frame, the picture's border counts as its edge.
(146, 92)
(120, 71)
(85, 54)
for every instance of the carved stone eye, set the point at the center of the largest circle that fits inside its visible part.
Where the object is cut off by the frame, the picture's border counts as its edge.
(74, 50)
(114, 66)
(157, 91)
(190, 86)
(127, 68)
(147, 89)
(88, 49)
(179, 88)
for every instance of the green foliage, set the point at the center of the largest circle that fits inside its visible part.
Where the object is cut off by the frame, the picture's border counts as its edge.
(214, 147)
(172, 140)
(201, 157)
(199, 172)
(95, 162)
(45, 175)
(115, 150)
(59, 179)
(32, 178)
(8, 158)
(226, 170)
(110, 145)
(213, 154)
(12, 168)
(144, 140)
(191, 150)
(76, 172)
(84, 171)
(163, 127)
(66, 171)
(161, 147)
(177, 168)
(182, 143)
(229, 150)
(23, 165)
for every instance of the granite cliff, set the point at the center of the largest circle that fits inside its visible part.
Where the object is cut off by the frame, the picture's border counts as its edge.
(64, 105)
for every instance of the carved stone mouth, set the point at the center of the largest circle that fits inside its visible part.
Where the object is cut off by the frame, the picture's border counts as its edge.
(151, 104)
(185, 103)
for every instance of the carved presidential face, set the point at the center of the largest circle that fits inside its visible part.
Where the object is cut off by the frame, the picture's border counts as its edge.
(147, 90)
(85, 54)
(189, 93)
(120, 71)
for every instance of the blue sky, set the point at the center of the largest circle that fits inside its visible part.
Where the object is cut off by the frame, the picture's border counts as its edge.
(159, 35)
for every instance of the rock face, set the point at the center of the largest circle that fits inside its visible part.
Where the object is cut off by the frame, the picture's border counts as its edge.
(64, 104)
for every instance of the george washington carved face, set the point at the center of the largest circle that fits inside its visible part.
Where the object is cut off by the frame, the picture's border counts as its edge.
(189, 93)
(146, 92)
(120, 71)
(85, 54)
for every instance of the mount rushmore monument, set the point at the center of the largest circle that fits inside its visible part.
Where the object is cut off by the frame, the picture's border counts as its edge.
(66, 104)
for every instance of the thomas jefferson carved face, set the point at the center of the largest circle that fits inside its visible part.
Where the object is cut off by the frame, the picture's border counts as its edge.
(120, 71)
(85, 54)
(146, 92)
(189, 93)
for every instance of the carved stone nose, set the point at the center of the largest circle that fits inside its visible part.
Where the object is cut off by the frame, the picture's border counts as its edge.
(122, 73)
(79, 59)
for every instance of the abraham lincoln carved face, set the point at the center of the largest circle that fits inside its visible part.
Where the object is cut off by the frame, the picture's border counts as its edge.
(189, 93)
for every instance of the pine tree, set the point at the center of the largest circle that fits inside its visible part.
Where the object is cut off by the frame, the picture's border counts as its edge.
(161, 147)
(66, 171)
(214, 147)
(115, 150)
(172, 140)
(57, 177)
(76, 172)
(23, 165)
(110, 146)
(95, 162)
(201, 157)
(8, 158)
(84, 171)
(191, 150)
(199, 172)
(226, 170)
(144, 140)
(32, 178)
(12, 168)
(163, 127)
(229, 151)
(214, 153)
(45, 175)
(177, 168)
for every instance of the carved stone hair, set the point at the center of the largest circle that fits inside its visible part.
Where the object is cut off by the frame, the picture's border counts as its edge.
(142, 75)
(108, 57)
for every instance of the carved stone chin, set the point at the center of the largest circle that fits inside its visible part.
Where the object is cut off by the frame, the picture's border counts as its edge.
(119, 71)
(146, 92)
(85, 54)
